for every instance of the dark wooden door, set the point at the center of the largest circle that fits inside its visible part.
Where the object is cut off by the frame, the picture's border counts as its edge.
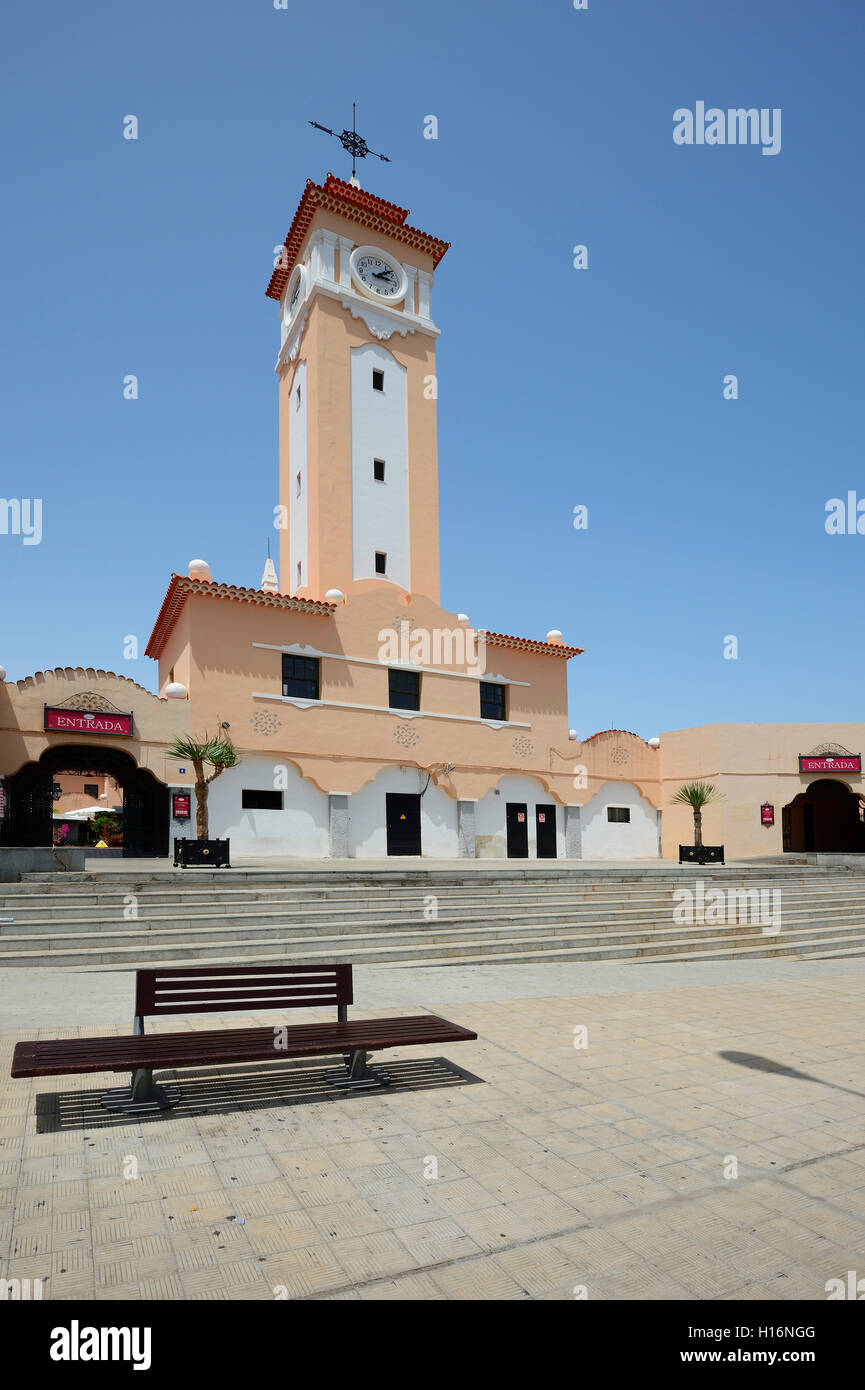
(402, 813)
(545, 819)
(518, 830)
(31, 803)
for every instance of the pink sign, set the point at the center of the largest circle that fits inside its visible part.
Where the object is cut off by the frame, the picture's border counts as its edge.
(837, 762)
(77, 721)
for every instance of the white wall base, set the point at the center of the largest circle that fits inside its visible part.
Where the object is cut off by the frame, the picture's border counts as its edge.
(301, 830)
(603, 839)
(367, 829)
(491, 837)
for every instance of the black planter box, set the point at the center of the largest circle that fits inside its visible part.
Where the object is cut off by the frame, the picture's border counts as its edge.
(701, 854)
(202, 854)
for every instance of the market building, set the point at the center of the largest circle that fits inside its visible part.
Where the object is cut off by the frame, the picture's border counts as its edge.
(369, 720)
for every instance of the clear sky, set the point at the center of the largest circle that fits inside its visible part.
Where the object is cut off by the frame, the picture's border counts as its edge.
(558, 387)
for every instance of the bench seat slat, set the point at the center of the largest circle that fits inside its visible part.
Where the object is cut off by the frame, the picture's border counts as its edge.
(168, 1050)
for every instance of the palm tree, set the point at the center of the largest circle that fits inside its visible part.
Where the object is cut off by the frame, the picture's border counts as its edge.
(697, 795)
(219, 752)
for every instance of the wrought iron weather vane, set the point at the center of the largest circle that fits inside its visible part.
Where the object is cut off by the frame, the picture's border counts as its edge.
(354, 144)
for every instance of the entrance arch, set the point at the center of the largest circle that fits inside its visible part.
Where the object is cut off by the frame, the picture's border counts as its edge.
(827, 817)
(145, 798)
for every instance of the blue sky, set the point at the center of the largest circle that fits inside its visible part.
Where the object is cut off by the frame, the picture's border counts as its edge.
(604, 387)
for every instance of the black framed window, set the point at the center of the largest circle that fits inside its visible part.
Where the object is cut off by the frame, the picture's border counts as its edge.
(377, 379)
(253, 800)
(493, 701)
(378, 470)
(91, 789)
(300, 676)
(380, 562)
(403, 689)
(620, 814)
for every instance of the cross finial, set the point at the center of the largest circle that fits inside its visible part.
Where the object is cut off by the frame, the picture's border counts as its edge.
(352, 143)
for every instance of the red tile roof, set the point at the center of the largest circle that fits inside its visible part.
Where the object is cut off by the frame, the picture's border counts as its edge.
(527, 644)
(358, 205)
(181, 585)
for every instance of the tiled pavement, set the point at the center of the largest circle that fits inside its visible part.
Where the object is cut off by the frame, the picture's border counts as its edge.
(534, 1170)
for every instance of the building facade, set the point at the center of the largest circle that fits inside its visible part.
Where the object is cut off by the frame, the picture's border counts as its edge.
(369, 721)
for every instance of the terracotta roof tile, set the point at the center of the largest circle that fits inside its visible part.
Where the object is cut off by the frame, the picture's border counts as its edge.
(181, 585)
(355, 203)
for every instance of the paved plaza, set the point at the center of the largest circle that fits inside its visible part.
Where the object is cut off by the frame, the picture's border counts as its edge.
(706, 1142)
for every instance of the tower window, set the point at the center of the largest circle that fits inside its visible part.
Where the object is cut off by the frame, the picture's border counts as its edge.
(300, 676)
(377, 379)
(297, 399)
(298, 484)
(380, 562)
(619, 814)
(299, 572)
(378, 470)
(403, 689)
(91, 789)
(493, 701)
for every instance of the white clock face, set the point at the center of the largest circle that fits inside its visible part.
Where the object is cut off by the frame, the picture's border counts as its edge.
(379, 275)
(292, 295)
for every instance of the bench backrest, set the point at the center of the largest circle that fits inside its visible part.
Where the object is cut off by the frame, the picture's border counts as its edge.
(251, 988)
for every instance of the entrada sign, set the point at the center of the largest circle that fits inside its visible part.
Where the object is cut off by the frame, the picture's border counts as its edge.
(77, 721)
(837, 762)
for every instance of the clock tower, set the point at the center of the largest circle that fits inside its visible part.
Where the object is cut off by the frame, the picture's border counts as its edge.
(358, 472)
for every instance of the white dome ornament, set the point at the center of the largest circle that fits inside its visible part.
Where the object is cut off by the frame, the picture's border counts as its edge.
(334, 596)
(654, 742)
(572, 735)
(555, 638)
(2, 674)
(199, 569)
(175, 691)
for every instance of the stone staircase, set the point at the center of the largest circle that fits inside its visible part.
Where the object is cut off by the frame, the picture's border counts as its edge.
(497, 914)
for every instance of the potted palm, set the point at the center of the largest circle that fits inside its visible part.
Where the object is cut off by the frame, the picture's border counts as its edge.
(697, 795)
(219, 753)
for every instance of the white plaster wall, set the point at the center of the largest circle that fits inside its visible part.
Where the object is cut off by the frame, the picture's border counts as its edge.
(298, 507)
(491, 836)
(603, 839)
(367, 827)
(380, 515)
(299, 830)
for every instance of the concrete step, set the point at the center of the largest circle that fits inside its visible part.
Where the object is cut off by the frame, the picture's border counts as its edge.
(361, 918)
(133, 949)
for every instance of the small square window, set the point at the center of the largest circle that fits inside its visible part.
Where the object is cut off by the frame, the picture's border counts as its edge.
(91, 789)
(380, 562)
(619, 814)
(403, 689)
(378, 470)
(493, 701)
(300, 676)
(377, 379)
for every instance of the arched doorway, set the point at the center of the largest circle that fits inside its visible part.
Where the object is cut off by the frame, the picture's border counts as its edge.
(145, 799)
(826, 817)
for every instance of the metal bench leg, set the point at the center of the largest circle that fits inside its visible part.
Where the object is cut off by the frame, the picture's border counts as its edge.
(358, 1076)
(141, 1097)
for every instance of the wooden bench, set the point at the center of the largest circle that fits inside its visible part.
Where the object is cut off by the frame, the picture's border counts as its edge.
(250, 989)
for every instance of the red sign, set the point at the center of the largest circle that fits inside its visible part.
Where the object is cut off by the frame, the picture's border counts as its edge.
(541, 817)
(767, 814)
(77, 721)
(181, 806)
(521, 815)
(831, 762)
